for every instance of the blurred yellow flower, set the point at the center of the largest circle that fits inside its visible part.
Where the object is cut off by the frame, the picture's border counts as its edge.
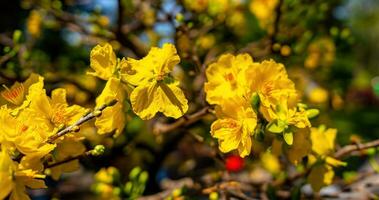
(264, 10)
(318, 95)
(235, 125)
(320, 176)
(323, 146)
(321, 52)
(270, 162)
(155, 91)
(33, 23)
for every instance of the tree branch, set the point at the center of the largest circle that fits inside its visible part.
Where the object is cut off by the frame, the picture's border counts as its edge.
(346, 150)
(74, 127)
(160, 128)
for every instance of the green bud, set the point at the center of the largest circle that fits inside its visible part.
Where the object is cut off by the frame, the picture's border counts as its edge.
(133, 175)
(255, 101)
(371, 151)
(97, 113)
(116, 191)
(128, 187)
(98, 150)
(302, 106)
(334, 31)
(17, 36)
(179, 17)
(345, 33)
(143, 177)
(312, 113)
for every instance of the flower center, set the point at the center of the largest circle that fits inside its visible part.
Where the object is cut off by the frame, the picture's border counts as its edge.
(59, 115)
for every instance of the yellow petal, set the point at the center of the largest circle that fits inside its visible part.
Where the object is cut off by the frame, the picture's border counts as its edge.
(301, 146)
(103, 61)
(173, 102)
(112, 118)
(19, 192)
(320, 176)
(323, 141)
(149, 99)
(6, 166)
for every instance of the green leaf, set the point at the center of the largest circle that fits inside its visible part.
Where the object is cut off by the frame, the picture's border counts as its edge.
(288, 137)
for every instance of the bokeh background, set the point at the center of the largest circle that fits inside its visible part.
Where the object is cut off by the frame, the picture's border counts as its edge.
(330, 49)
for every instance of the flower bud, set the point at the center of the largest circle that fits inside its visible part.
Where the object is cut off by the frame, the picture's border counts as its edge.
(98, 150)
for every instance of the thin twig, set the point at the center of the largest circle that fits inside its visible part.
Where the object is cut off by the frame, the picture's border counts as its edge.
(346, 150)
(85, 118)
(160, 128)
(85, 154)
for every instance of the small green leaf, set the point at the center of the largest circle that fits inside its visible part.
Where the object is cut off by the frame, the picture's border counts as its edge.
(254, 101)
(276, 126)
(288, 137)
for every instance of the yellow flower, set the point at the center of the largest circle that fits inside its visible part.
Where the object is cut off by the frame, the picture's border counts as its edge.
(323, 146)
(270, 81)
(54, 111)
(270, 162)
(235, 124)
(264, 10)
(323, 140)
(320, 176)
(34, 23)
(318, 95)
(281, 116)
(103, 61)
(196, 5)
(16, 96)
(321, 52)
(112, 118)
(23, 134)
(14, 177)
(154, 91)
(226, 77)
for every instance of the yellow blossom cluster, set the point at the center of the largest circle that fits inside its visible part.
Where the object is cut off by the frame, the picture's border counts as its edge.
(242, 89)
(28, 118)
(146, 83)
(257, 99)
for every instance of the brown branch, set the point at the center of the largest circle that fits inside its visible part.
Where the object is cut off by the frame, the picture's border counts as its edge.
(160, 128)
(74, 127)
(276, 22)
(346, 150)
(85, 154)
